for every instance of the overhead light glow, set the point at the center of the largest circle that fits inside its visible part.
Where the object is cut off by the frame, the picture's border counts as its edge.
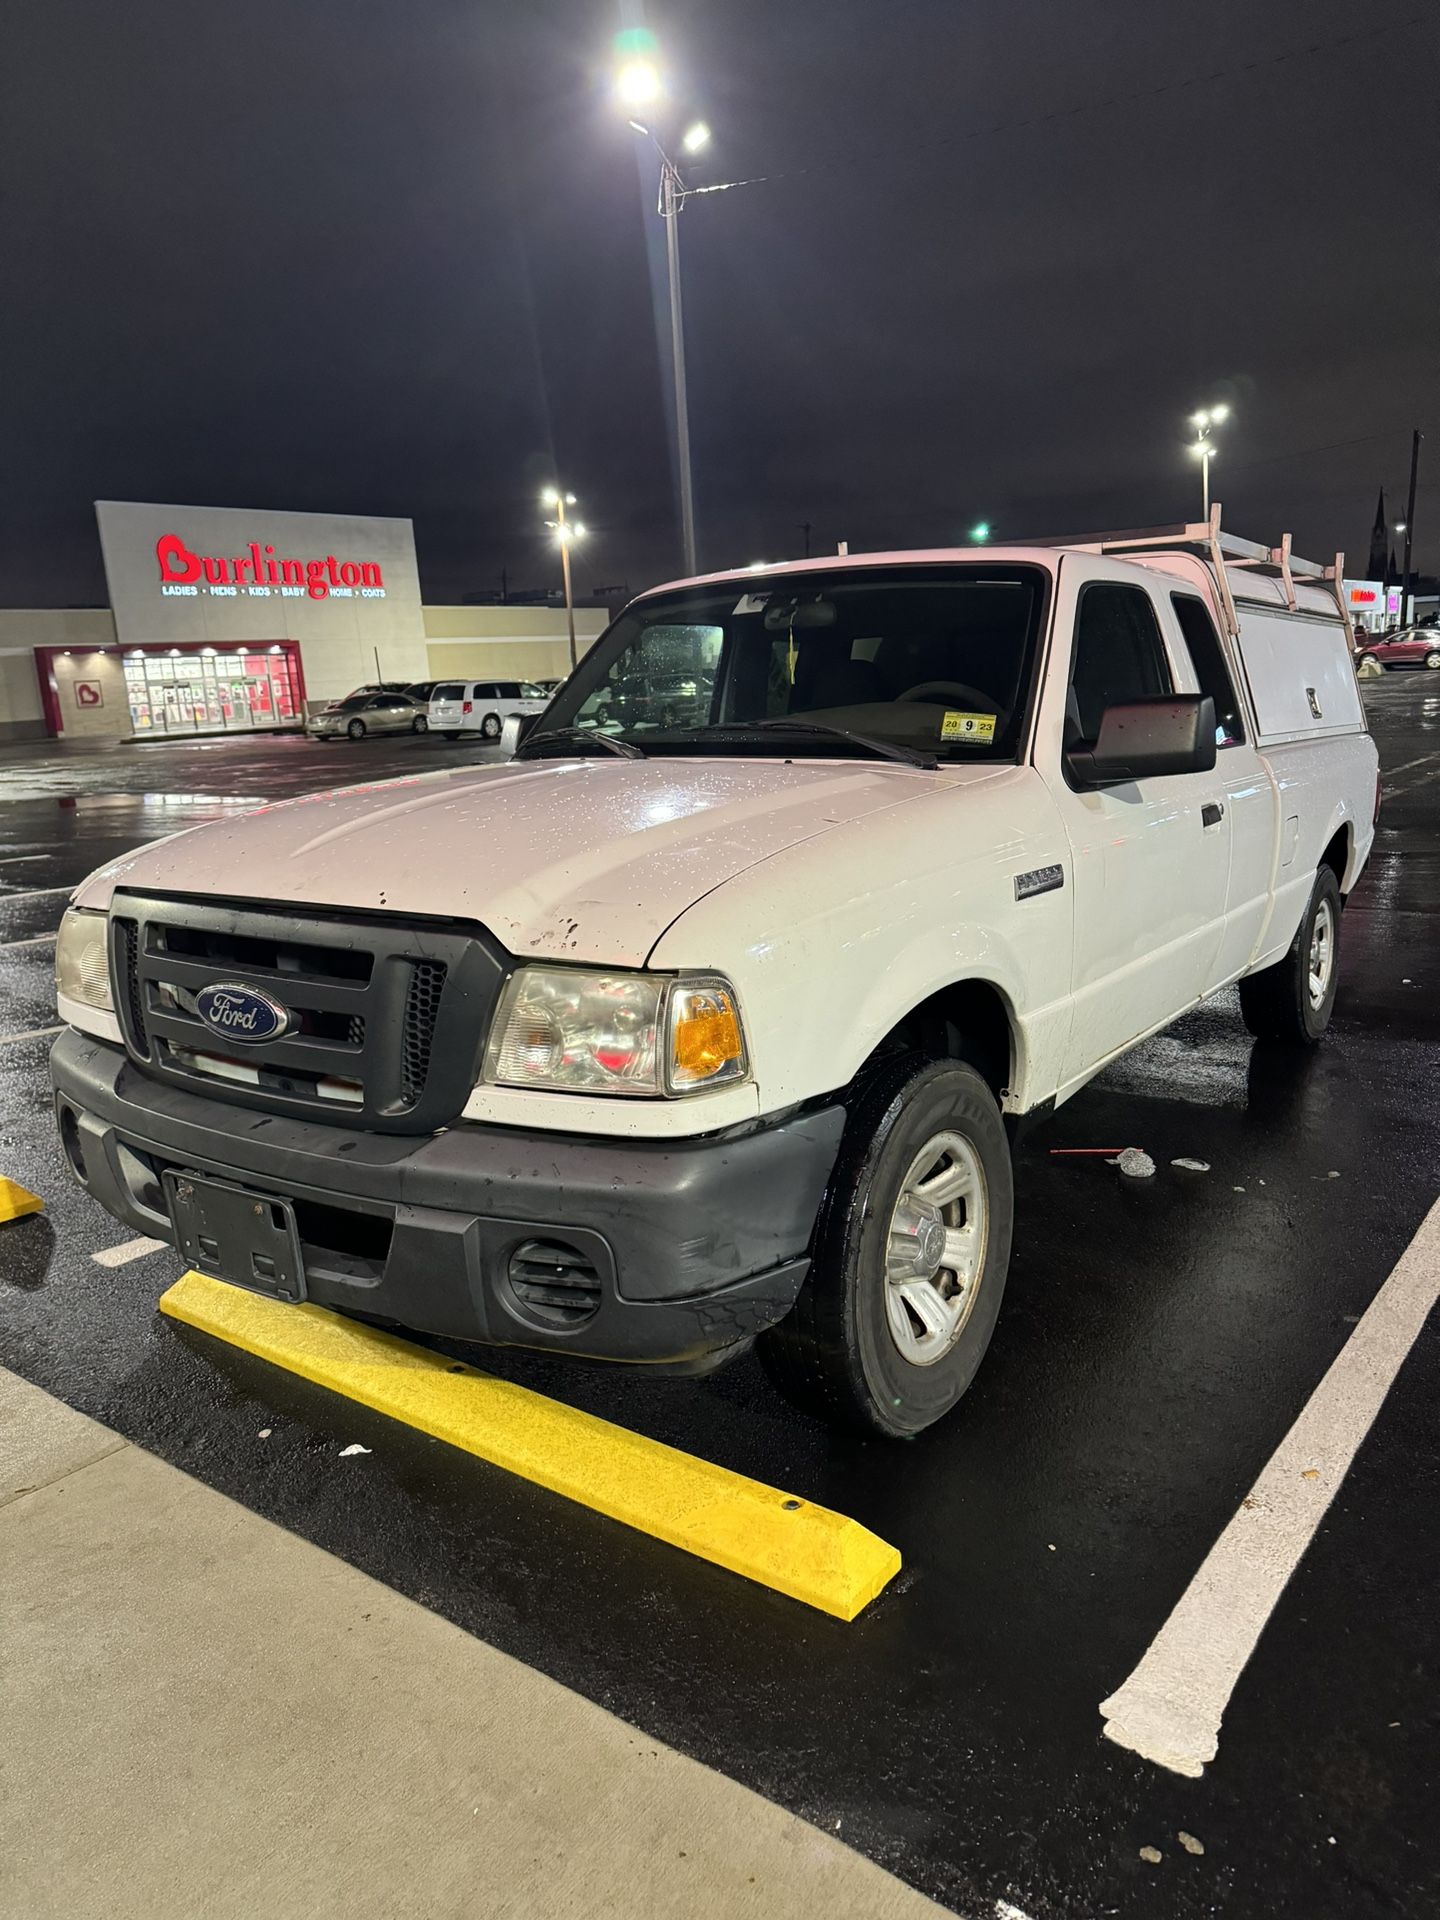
(980, 532)
(1219, 413)
(696, 138)
(758, 566)
(637, 83)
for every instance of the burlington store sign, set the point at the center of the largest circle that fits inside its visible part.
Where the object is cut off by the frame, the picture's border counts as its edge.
(226, 575)
(260, 573)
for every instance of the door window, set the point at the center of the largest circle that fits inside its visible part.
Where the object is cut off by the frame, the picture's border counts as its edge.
(1211, 671)
(1119, 656)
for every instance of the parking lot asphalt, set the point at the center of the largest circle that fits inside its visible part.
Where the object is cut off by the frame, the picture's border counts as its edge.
(1156, 1344)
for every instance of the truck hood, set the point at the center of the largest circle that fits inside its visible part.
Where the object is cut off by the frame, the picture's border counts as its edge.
(587, 860)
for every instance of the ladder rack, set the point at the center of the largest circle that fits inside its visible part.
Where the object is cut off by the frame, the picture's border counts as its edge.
(1223, 550)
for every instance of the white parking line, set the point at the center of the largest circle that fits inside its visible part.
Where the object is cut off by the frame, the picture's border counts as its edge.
(127, 1251)
(35, 1033)
(37, 893)
(1170, 1708)
(37, 940)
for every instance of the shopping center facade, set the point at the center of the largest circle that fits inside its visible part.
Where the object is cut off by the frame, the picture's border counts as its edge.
(222, 621)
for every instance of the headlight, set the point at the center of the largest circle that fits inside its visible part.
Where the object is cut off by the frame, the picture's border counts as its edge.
(566, 1029)
(82, 970)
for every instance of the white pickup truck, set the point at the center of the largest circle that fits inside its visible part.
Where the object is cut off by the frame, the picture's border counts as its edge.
(710, 1016)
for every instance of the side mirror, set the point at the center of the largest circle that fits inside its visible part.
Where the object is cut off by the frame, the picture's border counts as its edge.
(1143, 738)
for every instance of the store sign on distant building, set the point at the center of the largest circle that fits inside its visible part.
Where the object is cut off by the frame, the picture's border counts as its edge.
(185, 573)
(343, 585)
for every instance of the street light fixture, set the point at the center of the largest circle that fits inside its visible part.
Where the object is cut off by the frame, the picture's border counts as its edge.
(1203, 447)
(980, 532)
(638, 84)
(565, 532)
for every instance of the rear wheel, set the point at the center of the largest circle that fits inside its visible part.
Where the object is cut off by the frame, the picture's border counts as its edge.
(356, 729)
(490, 727)
(910, 1255)
(1432, 660)
(1292, 1000)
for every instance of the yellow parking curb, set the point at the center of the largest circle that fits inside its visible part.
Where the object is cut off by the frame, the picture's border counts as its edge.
(805, 1551)
(16, 1201)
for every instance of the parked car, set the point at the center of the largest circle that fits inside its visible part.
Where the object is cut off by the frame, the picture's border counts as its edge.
(481, 706)
(362, 713)
(420, 691)
(666, 1039)
(1413, 647)
(378, 686)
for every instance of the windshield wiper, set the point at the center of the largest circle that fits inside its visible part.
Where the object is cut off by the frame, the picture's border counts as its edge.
(622, 749)
(886, 749)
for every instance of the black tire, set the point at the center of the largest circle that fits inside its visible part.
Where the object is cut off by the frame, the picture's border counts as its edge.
(356, 729)
(491, 727)
(1277, 1004)
(835, 1356)
(419, 724)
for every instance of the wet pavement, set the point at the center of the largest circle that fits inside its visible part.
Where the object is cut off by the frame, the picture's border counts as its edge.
(1156, 1343)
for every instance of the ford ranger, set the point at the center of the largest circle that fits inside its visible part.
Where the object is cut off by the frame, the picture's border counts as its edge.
(707, 1021)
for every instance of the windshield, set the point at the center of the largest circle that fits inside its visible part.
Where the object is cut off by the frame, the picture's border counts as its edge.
(935, 659)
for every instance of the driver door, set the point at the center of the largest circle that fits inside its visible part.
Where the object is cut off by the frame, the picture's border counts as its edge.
(1149, 860)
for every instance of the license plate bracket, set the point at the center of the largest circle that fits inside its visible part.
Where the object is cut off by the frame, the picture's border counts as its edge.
(249, 1239)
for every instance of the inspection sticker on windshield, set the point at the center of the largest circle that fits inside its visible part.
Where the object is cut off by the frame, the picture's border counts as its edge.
(978, 728)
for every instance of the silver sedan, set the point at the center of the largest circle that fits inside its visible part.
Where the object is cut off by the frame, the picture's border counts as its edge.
(364, 713)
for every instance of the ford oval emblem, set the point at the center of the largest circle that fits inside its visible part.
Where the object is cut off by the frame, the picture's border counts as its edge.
(238, 1012)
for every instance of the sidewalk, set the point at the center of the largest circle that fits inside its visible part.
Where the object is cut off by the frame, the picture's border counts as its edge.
(204, 1714)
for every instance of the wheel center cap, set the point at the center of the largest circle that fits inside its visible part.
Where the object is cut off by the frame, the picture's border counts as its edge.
(917, 1239)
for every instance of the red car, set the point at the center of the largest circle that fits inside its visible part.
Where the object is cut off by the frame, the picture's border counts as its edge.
(1418, 647)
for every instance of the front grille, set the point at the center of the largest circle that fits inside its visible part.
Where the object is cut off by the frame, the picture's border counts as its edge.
(386, 1016)
(422, 1009)
(554, 1282)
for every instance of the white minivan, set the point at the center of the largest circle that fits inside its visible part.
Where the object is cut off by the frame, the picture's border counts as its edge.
(482, 706)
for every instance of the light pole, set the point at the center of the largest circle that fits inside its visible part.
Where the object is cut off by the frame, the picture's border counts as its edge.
(638, 86)
(1203, 447)
(565, 531)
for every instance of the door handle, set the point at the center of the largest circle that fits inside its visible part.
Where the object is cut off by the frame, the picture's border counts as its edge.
(1211, 814)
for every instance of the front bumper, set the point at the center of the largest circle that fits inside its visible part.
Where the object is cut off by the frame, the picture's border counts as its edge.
(673, 1250)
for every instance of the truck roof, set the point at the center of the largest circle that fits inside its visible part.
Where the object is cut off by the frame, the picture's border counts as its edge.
(1226, 566)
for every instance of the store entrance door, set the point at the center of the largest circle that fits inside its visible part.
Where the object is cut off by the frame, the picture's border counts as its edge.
(179, 690)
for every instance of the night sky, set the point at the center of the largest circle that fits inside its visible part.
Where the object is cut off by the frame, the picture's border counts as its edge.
(401, 257)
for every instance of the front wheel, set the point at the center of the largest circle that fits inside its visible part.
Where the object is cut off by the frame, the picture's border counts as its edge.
(419, 724)
(356, 729)
(910, 1255)
(490, 727)
(1292, 1000)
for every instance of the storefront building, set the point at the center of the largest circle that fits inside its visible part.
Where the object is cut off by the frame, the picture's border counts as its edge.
(1373, 605)
(224, 621)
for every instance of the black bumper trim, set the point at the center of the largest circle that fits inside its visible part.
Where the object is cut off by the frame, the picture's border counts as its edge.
(696, 1244)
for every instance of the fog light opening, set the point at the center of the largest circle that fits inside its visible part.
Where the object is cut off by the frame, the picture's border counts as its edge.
(70, 1141)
